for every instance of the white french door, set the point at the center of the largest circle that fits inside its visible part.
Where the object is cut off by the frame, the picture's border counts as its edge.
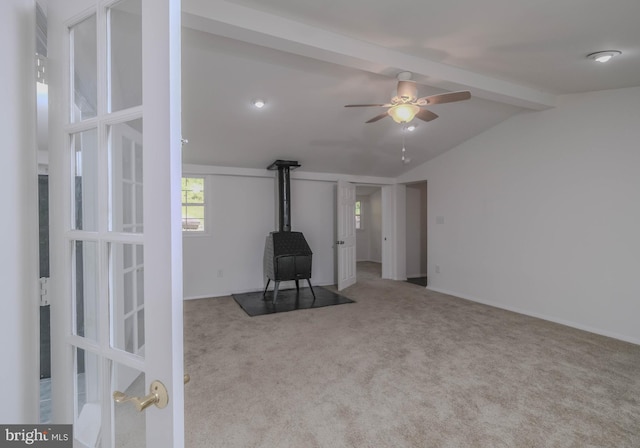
(346, 243)
(116, 242)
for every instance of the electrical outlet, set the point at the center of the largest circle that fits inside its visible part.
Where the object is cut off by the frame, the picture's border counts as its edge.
(220, 273)
(437, 269)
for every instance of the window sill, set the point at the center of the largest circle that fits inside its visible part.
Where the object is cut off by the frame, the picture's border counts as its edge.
(195, 234)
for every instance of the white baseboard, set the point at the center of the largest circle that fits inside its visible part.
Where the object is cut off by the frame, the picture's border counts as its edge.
(203, 297)
(223, 293)
(557, 320)
(283, 286)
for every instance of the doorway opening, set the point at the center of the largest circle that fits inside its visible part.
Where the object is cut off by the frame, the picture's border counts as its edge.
(368, 231)
(416, 233)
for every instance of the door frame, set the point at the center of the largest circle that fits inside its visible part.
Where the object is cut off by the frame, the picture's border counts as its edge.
(393, 203)
(423, 230)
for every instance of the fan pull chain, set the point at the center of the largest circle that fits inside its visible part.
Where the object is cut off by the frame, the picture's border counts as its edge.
(405, 159)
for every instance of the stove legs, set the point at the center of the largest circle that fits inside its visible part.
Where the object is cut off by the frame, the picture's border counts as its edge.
(310, 287)
(264, 294)
(275, 290)
(277, 285)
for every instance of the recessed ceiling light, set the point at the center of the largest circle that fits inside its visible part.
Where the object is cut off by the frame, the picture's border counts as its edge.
(603, 56)
(259, 103)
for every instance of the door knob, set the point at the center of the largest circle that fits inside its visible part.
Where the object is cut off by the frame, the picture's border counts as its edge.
(157, 395)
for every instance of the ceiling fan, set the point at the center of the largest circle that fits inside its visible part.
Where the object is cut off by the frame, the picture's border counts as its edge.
(406, 105)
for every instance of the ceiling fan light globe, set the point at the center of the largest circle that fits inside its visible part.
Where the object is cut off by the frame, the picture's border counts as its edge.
(403, 113)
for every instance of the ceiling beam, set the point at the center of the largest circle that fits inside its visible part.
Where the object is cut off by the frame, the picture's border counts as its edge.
(249, 25)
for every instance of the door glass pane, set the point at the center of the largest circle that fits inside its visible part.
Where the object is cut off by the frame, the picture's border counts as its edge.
(84, 82)
(125, 25)
(85, 182)
(126, 182)
(87, 427)
(85, 289)
(126, 274)
(129, 424)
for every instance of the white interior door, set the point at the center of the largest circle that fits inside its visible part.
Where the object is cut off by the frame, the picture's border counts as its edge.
(116, 242)
(346, 243)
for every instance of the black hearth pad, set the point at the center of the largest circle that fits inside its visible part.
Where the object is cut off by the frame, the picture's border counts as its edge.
(254, 304)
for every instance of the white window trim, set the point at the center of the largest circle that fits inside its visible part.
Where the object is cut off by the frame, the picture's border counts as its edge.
(207, 217)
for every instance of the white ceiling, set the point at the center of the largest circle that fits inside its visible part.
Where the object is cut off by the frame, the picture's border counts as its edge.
(309, 58)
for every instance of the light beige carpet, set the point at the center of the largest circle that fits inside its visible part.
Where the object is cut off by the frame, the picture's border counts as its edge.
(403, 367)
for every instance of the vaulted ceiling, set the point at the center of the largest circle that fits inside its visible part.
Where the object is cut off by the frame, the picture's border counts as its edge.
(308, 59)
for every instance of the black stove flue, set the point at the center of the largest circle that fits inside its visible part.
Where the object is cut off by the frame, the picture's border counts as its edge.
(284, 168)
(287, 256)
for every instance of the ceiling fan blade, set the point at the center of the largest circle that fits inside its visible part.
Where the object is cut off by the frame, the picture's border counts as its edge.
(368, 105)
(446, 97)
(378, 117)
(407, 90)
(426, 115)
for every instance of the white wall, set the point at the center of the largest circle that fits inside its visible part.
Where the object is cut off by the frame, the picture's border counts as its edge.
(417, 230)
(229, 259)
(313, 212)
(540, 214)
(243, 212)
(19, 324)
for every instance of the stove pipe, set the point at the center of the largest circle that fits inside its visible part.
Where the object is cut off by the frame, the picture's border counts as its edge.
(284, 191)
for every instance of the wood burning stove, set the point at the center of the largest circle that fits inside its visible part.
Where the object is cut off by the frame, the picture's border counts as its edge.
(287, 256)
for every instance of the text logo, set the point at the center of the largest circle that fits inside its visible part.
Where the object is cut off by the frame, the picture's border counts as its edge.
(15, 436)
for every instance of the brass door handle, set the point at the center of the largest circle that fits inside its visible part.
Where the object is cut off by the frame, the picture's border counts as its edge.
(157, 395)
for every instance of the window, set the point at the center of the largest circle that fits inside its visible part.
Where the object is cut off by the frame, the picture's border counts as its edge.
(358, 215)
(193, 204)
